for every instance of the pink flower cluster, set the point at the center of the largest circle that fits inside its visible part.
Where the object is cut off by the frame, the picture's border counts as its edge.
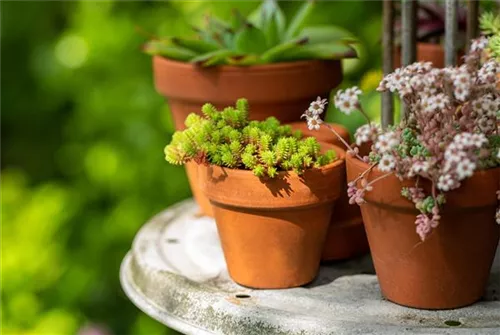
(460, 160)
(451, 115)
(366, 133)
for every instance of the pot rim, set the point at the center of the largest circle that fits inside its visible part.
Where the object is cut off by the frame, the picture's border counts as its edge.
(235, 187)
(341, 157)
(452, 196)
(291, 65)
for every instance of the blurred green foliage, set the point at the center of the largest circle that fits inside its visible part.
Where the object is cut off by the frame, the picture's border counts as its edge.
(83, 133)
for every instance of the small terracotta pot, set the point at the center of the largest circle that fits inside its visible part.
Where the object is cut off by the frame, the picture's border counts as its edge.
(272, 232)
(427, 52)
(199, 196)
(346, 236)
(451, 267)
(283, 90)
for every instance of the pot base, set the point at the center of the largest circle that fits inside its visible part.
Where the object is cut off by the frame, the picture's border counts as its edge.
(272, 249)
(450, 268)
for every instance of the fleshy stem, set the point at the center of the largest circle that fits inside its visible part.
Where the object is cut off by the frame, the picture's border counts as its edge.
(349, 149)
(364, 173)
(362, 111)
(379, 178)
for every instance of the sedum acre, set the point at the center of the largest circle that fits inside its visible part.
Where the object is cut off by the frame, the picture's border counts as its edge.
(227, 138)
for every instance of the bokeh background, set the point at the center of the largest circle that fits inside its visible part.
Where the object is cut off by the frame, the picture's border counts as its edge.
(83, 132)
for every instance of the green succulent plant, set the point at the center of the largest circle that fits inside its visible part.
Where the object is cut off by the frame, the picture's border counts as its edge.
(263, 37)
(490, 26)
(227, 138)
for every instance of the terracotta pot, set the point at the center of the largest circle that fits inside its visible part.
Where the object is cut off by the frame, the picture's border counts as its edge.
(451, 267)
(283, 90)
(199, 196)
(346, 236)
(427, 52)
(272, 232)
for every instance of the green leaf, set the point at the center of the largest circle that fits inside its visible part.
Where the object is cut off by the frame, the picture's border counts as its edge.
(275, 52)
(324, 34)
(196, 45)
(250, 40)
(237, 20)
(271, 32)
(334, 50)
(162, 48)
(213, 58)
(299, 19)
(243, 60)
(273, 22)
(208, 36)
(261, 16)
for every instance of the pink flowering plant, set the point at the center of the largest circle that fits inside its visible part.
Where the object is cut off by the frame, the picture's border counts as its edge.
(450, 130)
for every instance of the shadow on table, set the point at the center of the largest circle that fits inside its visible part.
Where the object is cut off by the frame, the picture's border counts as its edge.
(330, 271)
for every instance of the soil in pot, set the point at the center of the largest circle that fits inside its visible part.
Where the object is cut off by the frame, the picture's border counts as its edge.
(272, 231)
(427, 52)
(451, 267)
(283, 90)
(346, 236)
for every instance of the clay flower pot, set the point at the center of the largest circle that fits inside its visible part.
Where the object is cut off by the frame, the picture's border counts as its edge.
(346, 236)
(451, 267)
(283, 90)
(272, 231)
(427, 52)
(199, 196)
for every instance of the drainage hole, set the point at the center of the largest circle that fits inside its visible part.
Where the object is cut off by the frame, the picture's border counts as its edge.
(453, 323)
(242, 296)
(172, 240)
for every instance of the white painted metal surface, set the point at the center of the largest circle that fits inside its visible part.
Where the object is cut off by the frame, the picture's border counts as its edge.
(176, 273)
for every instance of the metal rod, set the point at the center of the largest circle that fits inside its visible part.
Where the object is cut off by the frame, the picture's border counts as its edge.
(409, 38)
(472, 20)
(408, 32)
(387, 60)
(451, 26)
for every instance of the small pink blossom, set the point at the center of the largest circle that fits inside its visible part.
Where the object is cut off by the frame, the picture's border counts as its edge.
(314, 122)
(387, 163)
(318, 106)
(347, 101)
(447, 182)
(465, 168)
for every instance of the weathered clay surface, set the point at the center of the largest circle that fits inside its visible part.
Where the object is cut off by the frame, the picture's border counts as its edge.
(176, 273)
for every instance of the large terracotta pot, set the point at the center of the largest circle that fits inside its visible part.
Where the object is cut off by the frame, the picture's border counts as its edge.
(283, 90)
(346, 236)
(427, 52)
(272, 232)
(451, 267)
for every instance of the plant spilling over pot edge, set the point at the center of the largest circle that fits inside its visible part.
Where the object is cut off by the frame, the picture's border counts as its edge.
(263, 37)
(451, 129)
(227, 138)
